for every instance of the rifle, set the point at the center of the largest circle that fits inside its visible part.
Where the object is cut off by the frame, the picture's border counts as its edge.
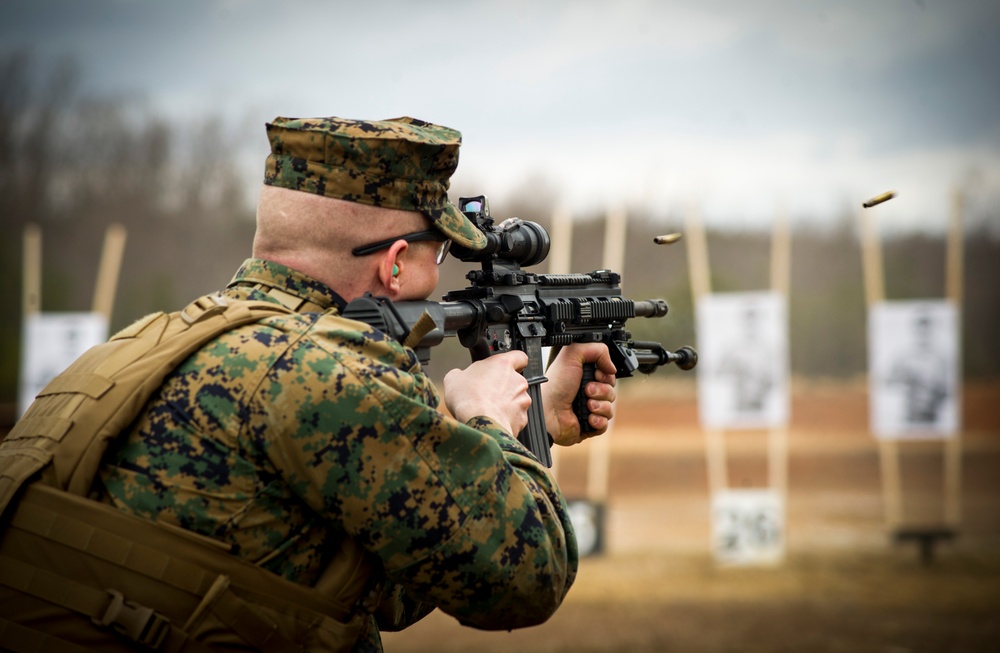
(506, 308)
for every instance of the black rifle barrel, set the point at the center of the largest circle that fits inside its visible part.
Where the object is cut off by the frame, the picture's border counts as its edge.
(651, 308)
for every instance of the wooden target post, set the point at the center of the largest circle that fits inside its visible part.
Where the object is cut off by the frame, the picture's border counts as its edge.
(599, 449)
(874, 279)
(599, 463)
(35, 372)
(955, 261)
(780, 281)
(589, 514)
(781, 274)
(31, 299)
(701, 287)
(889, 448)
(108, 270)
(560, 260)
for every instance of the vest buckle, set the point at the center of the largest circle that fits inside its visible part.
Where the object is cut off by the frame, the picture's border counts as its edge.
(203, 307)
(135, 621)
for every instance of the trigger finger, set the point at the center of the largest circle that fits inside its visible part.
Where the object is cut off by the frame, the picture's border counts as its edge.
(605, 377)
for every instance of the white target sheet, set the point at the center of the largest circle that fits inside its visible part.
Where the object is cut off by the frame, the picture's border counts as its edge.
(743, 360)
(914, 363)
(51, 342)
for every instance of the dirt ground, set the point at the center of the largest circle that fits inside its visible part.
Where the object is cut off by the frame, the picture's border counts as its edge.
(844, 583)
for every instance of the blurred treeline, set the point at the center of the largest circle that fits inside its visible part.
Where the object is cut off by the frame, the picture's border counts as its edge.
(74, 164)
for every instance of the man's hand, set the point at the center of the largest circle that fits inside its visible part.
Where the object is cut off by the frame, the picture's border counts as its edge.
(564, 375)
(492, 387)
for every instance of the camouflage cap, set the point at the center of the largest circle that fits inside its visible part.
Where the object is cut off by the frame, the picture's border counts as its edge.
(402, 163)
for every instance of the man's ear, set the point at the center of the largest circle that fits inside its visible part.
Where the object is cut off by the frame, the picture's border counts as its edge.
(392, 266)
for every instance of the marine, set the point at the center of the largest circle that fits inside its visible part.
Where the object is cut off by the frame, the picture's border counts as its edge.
(295, 450)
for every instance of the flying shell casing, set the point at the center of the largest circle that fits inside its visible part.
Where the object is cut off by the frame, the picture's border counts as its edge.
(878, 199)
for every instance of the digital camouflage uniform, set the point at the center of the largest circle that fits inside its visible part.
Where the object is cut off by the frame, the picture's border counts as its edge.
(282, 437)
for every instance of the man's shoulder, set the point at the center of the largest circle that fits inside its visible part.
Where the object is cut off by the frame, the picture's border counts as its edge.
(307, 354)
(350, 341)
(354, 339)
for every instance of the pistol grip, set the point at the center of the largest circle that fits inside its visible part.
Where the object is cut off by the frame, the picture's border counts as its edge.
(580, 401)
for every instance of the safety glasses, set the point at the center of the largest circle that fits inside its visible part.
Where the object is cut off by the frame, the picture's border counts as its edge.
(417, 236)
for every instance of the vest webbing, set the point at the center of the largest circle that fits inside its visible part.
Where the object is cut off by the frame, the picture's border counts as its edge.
(151, 583)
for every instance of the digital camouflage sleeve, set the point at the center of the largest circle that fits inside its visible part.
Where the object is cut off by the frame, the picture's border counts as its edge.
(281, 437)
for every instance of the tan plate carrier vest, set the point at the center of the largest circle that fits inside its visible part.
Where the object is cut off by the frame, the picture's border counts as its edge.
(77, 575)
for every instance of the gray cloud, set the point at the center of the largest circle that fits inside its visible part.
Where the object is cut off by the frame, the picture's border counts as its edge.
(745, 101)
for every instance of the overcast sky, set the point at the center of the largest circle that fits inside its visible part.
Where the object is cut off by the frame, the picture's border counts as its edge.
(735, 106)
